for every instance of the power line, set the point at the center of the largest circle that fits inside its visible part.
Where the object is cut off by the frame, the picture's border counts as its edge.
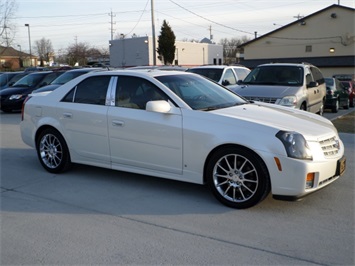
(146, 4)
(222, 25)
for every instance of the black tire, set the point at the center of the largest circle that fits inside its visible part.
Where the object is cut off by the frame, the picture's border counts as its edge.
(335, 108)
(6, 110)
(346, 106)
(303, 107)
(237, 177)
(52, 151)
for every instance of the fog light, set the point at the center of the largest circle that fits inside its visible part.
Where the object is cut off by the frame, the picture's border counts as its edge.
(310, 180)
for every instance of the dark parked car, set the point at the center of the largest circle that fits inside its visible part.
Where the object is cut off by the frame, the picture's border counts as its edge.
(7, 79)
(67, 76)
(337, 95)
(12, 98)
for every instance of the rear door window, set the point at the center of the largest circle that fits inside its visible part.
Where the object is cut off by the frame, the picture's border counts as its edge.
(92, 90)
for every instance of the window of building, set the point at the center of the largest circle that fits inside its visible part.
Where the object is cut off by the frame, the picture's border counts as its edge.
(308, 48)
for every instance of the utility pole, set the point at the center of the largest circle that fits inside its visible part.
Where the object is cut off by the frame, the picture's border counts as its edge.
(153, 33)
(112, 29)
(210, 29)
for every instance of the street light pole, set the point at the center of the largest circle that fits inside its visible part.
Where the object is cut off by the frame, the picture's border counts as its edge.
(29, 41)
(20, 54)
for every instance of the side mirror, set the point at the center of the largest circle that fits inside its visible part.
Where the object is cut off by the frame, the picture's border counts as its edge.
(312, 84)
(240, 82)
(225, 83)
(158, 106)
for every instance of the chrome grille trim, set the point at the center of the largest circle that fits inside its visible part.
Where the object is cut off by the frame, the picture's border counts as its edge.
(261, 99)
(330, 146)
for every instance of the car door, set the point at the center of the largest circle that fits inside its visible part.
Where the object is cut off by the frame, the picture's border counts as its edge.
(317, 93)
(140, 138)
(84, 118)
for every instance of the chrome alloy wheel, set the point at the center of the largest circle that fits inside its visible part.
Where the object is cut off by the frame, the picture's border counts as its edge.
(51, 151)
(235, 178)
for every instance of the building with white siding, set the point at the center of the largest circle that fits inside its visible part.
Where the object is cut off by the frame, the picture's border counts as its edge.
(138, 51)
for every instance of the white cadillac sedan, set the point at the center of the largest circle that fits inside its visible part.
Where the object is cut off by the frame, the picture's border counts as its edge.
(184, 127)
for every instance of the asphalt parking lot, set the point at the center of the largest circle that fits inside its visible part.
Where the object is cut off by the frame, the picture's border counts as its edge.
(94, 216)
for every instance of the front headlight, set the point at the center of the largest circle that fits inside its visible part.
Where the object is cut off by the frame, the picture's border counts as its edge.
(16, 97)
(295, 145)
(288, 101)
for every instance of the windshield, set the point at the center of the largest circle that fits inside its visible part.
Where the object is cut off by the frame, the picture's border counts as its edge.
(211, 73)
(200, 93)
(4, 79)
(29, 80)
(276, 75)
(62, 79)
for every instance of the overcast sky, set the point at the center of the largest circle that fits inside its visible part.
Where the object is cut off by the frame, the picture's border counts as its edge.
(65, 22)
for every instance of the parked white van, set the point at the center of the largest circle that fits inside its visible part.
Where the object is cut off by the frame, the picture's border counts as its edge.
(299, 86)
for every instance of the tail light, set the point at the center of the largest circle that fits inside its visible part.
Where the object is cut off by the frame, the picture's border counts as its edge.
(23, 107)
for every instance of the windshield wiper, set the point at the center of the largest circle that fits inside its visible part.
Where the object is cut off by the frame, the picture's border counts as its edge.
(221, 106)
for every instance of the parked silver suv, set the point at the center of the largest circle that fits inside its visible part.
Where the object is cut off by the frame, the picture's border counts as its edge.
(224, 75)
(299, 86)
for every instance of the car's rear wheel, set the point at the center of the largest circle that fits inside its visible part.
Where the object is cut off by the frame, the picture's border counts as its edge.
(237, 177)
(52, 151)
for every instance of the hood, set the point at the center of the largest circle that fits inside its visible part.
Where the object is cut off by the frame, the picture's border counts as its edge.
(270, 91)
(15, 90)
(310, 125)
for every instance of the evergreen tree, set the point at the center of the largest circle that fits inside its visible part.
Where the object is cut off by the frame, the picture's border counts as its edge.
(166, 44)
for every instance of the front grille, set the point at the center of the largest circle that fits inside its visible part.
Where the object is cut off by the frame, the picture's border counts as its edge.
(262, 99)
(330, 146)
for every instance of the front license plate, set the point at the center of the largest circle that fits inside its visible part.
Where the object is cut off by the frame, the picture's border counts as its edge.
(341, 166)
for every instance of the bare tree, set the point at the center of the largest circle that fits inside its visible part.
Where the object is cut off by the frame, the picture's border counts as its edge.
(231, 48)
(77, 54)
(44, 50)
(7, 28)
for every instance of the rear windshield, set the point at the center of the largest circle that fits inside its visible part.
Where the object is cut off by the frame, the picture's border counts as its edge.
(211, 73)
(329, 82)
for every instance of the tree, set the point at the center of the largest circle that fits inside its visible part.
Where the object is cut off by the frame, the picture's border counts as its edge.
(166, 44)
(44, 50)
(7, 29)
(231, 48)
(77, 54)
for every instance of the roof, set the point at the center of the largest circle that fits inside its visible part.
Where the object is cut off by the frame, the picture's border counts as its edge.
(296, 22)
(11, 52)
(218, 66)
(338, 61)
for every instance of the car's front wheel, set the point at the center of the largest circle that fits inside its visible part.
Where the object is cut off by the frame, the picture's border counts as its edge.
(237, 177)
(52, 151)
